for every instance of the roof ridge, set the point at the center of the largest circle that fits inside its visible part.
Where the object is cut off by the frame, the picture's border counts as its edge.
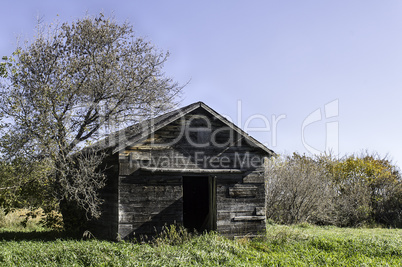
(141, 130)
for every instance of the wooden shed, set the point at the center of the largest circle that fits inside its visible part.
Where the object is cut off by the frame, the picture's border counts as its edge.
(190, 166)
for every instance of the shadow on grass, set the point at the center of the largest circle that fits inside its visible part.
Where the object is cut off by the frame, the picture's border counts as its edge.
(38, 236)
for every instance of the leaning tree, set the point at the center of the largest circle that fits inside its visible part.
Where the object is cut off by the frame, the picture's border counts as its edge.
(72, 84)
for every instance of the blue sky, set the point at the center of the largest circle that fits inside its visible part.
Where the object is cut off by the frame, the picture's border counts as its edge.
(300, 76)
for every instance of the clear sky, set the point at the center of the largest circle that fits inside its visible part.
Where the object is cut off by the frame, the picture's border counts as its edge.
(298, 75)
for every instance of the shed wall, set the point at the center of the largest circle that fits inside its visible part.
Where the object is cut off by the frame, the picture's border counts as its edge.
(150, 177)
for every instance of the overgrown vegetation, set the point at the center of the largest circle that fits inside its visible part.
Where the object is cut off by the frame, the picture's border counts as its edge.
(25, 240)
(25, 184)
(351, 191)
(298, 245)
(30, 220)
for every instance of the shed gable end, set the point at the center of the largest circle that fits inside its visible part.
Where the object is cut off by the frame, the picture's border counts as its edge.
(197, 140)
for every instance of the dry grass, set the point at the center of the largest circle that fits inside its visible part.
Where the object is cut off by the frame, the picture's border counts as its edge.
(22, 219)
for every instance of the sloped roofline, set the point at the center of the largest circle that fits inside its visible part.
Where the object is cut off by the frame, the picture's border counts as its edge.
(236, 128)
(150, 126)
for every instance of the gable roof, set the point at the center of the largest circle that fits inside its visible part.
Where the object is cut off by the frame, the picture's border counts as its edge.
(140, 131)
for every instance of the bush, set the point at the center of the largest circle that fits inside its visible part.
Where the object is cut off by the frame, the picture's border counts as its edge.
(53, 220)
(368, 190)
(299, 190)
(351, 191)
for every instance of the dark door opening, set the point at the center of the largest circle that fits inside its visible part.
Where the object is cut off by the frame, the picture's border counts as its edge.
(199, 204)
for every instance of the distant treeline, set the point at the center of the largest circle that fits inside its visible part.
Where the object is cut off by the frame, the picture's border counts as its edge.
(355, 190)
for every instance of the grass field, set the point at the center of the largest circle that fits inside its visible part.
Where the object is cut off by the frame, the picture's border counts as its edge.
(301, 245)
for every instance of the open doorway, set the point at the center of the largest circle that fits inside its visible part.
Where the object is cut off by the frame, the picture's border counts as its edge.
(199, 203)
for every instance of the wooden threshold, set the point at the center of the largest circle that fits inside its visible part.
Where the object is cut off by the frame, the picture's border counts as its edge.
(249, 218)
(198, 171)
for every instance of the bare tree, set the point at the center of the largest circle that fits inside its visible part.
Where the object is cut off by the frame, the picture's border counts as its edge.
(299, 190)
(68, 86)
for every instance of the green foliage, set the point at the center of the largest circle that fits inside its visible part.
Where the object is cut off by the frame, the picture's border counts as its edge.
(53, 220)
(283, 246)
(3, 67)
(3, 72)
(25, 183)
(369, 190)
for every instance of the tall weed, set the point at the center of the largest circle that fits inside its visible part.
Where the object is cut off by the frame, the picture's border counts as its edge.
(172, 235)
(22, 219)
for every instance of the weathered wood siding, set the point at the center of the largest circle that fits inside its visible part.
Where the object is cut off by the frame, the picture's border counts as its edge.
(150, 176)
(147, 202)
(240, 204)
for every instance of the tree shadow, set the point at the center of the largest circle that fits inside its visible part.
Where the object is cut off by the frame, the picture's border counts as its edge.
(50, 235)
(148, 230)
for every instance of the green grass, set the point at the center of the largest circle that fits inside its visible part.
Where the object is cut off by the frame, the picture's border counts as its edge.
(302, 245)
(312, 245)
